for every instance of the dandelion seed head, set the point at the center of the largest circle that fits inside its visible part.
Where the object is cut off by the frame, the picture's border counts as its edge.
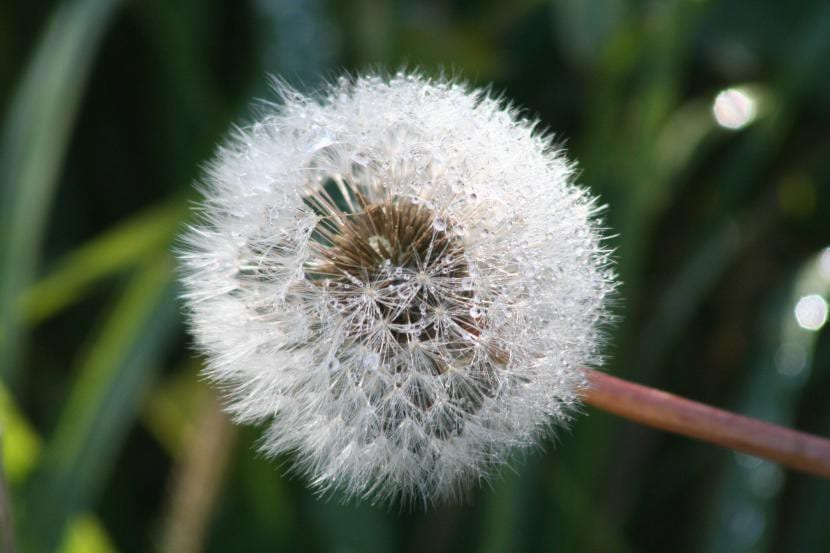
(399, 278)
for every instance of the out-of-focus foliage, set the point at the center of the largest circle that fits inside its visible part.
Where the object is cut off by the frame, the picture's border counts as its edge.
(109, 110)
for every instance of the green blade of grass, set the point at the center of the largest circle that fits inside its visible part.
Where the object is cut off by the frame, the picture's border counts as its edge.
(85, 534)
(111, 382)
(114, 250)
(19, 460)
(34, 139)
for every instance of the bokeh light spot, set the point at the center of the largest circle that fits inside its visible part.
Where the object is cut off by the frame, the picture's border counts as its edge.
(735, 108)
(791, 359)
(811, 312)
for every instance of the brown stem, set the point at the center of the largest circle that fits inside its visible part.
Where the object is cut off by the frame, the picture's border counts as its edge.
(652, 407)
(198, 480)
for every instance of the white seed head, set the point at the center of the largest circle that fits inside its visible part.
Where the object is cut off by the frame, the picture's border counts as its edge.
(400, 278)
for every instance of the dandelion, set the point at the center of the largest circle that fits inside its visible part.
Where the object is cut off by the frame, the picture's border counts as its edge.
(401, 279)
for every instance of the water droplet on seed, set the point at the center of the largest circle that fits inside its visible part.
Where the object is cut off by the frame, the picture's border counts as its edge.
(361, 159)
(370, 361)
(325, 140)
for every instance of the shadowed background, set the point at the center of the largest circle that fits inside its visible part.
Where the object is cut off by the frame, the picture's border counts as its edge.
(703, 125)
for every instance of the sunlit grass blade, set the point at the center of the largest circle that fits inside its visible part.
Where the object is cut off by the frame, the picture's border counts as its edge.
(114, 250)
(19, 459)
(85, 534)
(34, 139)
(112, 377)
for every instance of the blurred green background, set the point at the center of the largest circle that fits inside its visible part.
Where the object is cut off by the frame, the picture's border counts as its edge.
(111, 443)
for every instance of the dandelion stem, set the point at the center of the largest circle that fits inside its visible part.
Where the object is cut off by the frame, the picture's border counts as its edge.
(665, 411)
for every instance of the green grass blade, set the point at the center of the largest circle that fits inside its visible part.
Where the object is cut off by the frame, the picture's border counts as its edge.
(111, 382)
(116, 249)
(34, 139)
(18, 460)
(85, 534)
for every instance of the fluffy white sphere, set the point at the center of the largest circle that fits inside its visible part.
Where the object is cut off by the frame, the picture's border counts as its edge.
(401, 279)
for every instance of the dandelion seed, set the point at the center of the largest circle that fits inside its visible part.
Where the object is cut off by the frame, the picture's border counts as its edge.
(406, 302)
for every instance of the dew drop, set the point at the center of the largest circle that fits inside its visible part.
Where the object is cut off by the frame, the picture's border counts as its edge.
(370, 361)
(360, 158)
(325, 140)
(476, 312)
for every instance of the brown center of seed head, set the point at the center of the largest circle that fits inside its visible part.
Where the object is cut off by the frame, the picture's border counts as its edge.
(408, 259)
(391, 233)
(386, 244)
